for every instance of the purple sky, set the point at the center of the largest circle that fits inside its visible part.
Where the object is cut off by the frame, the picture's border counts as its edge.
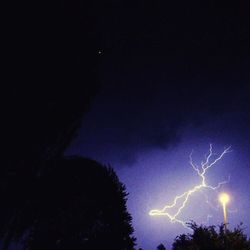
(174, 79)
(172, 76)
(149, 150)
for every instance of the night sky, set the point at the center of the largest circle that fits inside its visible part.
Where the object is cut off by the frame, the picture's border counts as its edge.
(175, 77)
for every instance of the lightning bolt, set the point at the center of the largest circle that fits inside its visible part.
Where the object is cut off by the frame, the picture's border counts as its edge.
(184, 197)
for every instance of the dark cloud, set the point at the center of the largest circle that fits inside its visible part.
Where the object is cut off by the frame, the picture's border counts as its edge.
(134, 117)
(163, 68)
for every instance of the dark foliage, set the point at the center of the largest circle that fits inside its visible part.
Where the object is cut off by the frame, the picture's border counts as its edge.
(161, 247)
(76, 204)
(50, 76)
(208, 238)
(51, 63)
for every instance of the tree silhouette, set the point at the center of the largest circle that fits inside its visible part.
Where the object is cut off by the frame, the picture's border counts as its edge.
(38, 125)
(77, 204)
(51, 67)
(161, 247)
(207, 238)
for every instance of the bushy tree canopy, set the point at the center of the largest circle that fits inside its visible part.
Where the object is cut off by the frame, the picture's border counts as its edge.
(161, 247)
(208, 238)
(76, 204)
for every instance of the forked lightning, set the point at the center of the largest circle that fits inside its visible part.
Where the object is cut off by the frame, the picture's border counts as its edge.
(181, 200)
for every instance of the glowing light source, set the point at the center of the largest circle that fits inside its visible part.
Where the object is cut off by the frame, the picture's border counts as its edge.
(180, 201)
(224, 199)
